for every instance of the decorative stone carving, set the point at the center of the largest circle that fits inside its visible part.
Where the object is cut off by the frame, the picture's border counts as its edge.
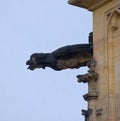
(90, 77)
(71, 56)
(91, 95)
(113, 17)
(87, 77)
(112, 59)
(86, 113)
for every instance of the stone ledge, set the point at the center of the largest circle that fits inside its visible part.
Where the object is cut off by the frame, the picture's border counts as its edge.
(91, 96)
(88, 4)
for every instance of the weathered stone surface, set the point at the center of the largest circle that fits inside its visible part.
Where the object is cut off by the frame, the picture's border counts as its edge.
(106, 49)
(91, 78)
(71, 56)
(107, 54)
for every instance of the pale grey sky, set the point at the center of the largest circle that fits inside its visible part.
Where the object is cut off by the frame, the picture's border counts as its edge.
(28, 26)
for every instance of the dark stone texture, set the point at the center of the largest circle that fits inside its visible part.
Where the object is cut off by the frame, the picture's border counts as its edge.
(72, 56)
(67, 57)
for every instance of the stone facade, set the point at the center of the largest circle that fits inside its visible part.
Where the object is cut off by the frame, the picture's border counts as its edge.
(106, 43)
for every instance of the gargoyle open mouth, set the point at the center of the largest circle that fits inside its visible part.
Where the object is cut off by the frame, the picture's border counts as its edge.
(32, 64)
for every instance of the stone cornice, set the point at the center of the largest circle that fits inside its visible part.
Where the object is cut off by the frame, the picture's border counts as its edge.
(88, 4)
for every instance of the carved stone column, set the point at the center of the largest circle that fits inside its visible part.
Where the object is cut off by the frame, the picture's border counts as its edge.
(106, 51)
(90, 78)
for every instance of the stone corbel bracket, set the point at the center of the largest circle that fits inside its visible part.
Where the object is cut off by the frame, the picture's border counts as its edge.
(91, 78)
(87, 77)
(91, 96)
(91, 75)
(86, 113)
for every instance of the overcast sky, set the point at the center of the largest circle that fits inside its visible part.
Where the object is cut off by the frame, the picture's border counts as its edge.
(28, 26)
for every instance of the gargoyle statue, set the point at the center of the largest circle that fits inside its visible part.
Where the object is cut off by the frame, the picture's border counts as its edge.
(71, 56)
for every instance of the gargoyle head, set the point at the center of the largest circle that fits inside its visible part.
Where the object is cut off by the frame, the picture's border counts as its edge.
(37, 60)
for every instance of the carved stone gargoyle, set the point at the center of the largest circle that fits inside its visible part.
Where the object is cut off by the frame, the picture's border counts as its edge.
(72, 56)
